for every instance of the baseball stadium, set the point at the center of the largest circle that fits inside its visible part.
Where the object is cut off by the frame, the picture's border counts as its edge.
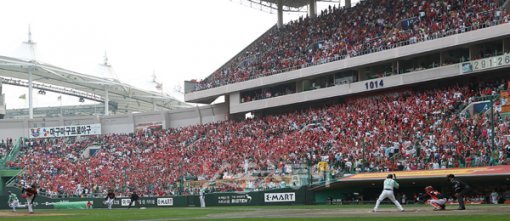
(362, 110)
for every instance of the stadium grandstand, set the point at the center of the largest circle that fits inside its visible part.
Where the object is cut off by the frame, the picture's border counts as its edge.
(336, 100)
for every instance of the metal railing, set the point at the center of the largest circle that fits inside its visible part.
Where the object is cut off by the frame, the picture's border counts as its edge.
(352, 53)
(13, 153)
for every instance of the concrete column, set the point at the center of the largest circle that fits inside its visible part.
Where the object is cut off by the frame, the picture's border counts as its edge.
(474, 52)
(279, 24)
(299, 86)
(106, 101)
(199, 114)
(213, 114)
(30, 98)
(394, 67)
(27, 126)
(61, 120)
(347, 3)
(154, 105)
(312, 9)
(133, 122)
(227, 102)
(506, 45)
(164, 121)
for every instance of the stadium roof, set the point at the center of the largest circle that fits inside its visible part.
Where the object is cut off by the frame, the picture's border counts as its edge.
(125, 97)
(288, 5)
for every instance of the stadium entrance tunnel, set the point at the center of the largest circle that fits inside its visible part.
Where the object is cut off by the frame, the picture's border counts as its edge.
(5, 176)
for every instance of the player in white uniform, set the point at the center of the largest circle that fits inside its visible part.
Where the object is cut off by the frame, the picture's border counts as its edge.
(494, 197)
(389, 185)
(13, 201)
(202, 197)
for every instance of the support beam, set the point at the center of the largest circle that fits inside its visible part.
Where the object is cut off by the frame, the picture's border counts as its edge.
(279, 24)
(30, 97)
(312, 9)
(106, 101)
(199, 114)
(347, 3)
(154, 105)
(213, 115)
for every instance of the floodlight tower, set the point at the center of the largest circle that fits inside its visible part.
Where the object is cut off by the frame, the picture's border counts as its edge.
(308, 6)
(30, 55)
(105, 69)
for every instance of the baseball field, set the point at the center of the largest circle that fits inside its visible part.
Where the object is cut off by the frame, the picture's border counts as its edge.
(276, 213)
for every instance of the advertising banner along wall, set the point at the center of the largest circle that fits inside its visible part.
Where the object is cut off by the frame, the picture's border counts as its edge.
(65, 131)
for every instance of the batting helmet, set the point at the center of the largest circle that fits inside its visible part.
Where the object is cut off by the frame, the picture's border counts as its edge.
(390, 176)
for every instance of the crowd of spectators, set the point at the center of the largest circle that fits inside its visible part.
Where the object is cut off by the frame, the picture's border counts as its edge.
(403, 130)
(370, 26)
(265, 93)
(5, 147)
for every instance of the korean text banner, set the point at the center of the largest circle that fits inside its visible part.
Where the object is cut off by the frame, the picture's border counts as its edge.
(65, 131)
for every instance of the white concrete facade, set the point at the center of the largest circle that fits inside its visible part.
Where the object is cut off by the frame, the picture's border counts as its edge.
(353, 63)
(121, 124)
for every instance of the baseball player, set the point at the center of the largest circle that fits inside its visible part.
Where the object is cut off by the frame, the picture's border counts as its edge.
(494, 197)
(90, 204)
(134, 199)
(31, 193)
(389, 185)
(437, 200)
(459, 188)
(13, 201)
(202, 197)
(110, 197)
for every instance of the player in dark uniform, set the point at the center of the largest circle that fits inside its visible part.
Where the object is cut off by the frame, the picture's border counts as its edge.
(459, 189)
(134, 199)
(109, 198)
(30, 193)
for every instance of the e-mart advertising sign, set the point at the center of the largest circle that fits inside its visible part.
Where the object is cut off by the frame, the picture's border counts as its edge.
(279, 197)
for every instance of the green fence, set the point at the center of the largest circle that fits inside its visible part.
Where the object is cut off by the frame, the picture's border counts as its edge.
(275, 197)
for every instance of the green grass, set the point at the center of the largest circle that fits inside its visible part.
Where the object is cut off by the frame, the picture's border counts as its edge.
(256, 213)
(421, 218)
(116, 214)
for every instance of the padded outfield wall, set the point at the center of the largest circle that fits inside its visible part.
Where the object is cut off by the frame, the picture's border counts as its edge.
(286, 196)
(355, 188)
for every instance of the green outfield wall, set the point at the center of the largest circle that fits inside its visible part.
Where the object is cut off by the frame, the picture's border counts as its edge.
(273, 197)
